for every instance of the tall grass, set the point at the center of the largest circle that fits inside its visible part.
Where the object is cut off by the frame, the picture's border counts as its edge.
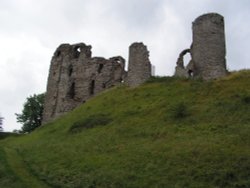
(7, 177)
(167, 133)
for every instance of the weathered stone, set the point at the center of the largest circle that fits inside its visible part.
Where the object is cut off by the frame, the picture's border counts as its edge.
(75, 76)
(180, 70)
(208, 49)
(139, 69)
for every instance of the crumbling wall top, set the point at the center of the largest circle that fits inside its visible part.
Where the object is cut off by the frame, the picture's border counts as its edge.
(214, 17)
(139, 67)
(74, 50)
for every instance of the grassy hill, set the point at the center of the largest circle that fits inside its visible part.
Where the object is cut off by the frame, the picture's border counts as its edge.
(4, 135)
(167, 133)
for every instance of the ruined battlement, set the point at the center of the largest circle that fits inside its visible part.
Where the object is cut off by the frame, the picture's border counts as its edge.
(79, 50)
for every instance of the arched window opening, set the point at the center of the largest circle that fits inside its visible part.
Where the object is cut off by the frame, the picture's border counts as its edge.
(186, 59)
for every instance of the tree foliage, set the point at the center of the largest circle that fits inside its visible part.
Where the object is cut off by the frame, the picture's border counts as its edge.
(31, 116)
(1, 123)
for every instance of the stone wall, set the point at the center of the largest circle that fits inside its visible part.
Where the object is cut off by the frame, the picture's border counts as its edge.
(180, 69)
(208, 49)
(75, 77)
(139, 69)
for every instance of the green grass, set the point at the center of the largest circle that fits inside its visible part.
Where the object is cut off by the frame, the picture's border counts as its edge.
(17, 164)
(8, 178)
(169, 132)
(90, 122)
(4, 135)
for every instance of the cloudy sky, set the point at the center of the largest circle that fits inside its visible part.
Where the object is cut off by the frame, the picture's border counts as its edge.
(31, 30)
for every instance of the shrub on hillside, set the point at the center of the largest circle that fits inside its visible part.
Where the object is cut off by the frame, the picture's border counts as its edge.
(246, 99)
(90, 122)
(159, 79)
(179, 111)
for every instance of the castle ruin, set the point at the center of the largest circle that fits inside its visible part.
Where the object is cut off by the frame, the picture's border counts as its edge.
(208, 49)
(139, 67)
(75, 76)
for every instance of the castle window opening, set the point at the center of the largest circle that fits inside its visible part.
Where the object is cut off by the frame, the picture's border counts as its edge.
(70, 70)
(58, 53)
(71, 92)
(118, 61)
(186, 58)
(77, 51)
(92, 88)
(100, 67)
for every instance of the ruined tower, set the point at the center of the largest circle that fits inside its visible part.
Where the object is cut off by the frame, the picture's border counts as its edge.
(76, 76)
(139, 68)
(208, 49)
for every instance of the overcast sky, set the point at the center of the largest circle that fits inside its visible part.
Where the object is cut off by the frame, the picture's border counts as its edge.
(31, 30)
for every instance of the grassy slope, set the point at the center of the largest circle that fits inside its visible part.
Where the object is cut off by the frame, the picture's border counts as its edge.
(4, 135)
(8, 178)
(166, 133)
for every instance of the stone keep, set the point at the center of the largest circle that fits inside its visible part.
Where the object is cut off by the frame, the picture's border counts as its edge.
(139, 68)
(75, 76)
(208, 50)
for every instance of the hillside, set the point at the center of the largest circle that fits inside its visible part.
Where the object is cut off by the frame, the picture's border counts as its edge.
(4, 135)
(168, 132)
